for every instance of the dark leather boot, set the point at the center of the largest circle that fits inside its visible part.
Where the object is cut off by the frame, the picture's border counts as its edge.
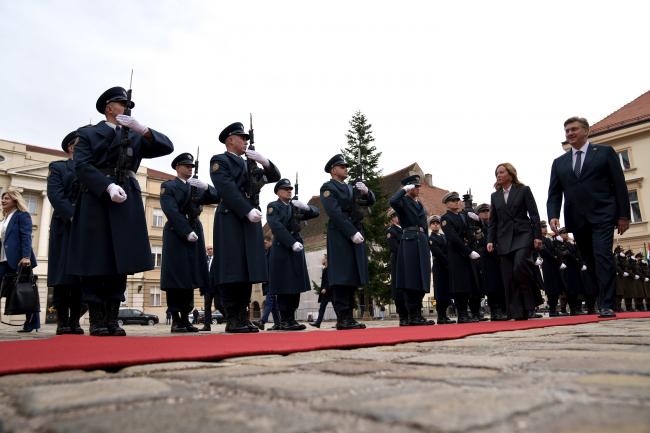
(185, 321)
(177, 323)
(464, 317)
(444, 320)
(75, 315)
(236, 324)
(259, 324)
(62, 321)
(403, 320)
(418, 320)
(98, 326)
(206, 327)
(112, 311)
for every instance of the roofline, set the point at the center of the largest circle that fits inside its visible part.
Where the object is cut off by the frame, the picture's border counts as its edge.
(45, 150)
(619, 127)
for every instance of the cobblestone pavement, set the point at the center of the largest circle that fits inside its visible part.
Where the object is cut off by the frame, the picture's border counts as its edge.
(584, 378)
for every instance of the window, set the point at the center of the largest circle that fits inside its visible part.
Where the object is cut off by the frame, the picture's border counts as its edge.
(624, 158)
(158, 217)
(156, 255)
(154, 296)
(635, 208)
(32, 202)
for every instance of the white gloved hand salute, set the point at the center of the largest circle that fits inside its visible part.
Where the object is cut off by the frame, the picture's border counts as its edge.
(116, 192)
(473, 216)
(361, 187)
(474, 255)
(562, 266)
(357, 238)
(258, 157)
(297, 247)
(192, 237)
(197, 183)
(254, 216)
(131, 123)
(409, 187)
(299, 204)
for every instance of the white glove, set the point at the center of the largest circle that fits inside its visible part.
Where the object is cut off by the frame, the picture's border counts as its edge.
(192, 237)
(636, 277)
(621, 254)
(625, 274)
(254, 216)
(131, 123)
(299, 204)
(258, 157)
(297, 247)
(562, 266)
(357, 238)
(116, 192)
(473, 216)
(539, 261)
(584, 268)
(407, 188)
(646, 279)
(361, 187)
(197, 183)
(559, 238)
(474, 255)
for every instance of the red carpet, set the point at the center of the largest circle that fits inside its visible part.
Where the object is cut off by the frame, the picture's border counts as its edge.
(70, 352)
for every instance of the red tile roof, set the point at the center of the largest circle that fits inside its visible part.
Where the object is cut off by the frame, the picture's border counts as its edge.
(45, 150)
(635, 112)
(159, 174)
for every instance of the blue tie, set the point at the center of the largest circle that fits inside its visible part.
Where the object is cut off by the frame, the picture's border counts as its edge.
(577, 167)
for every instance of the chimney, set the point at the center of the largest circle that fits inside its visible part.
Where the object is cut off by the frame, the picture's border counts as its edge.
(428, 179)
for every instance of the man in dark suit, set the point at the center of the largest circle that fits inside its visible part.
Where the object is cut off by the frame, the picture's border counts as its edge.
(596, 201)
(108, 237)
(238, 240)
(346, 249)
(182, 268)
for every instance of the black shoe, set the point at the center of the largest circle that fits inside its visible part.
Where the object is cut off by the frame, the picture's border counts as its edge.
(62, 322)
(535, 316)
(467, 319)
(26, 330)
(191, 328)
(553, 314)
(292, 325)
(349, 324)
(277, 327)
(97, 319)
(259, 324)
(235, 325)
(112, 311)
(445, 321)
(498, 317)
(403, 321)
(607, 312)
(315, 324)
(206, 328)
(179, 328)
(420, 321)
(73, 322)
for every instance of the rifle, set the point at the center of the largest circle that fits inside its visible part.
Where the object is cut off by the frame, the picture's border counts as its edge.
(192, 208)
(125, 154)
(360, 207)
(256, 177)
(297, 214)
(474, 229)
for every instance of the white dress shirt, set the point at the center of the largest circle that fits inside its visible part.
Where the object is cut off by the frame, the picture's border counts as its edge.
(3, 231)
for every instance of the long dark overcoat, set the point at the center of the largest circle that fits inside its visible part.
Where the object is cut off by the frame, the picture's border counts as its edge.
(439, 266)
(553, 283)
(394, 235)
(110, 238)
(461, 274)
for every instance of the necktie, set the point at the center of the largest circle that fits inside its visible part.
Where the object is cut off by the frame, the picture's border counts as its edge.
(577, 167)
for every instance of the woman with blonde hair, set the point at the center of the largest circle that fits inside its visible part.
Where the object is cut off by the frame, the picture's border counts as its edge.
(16, 250)
(514, 230)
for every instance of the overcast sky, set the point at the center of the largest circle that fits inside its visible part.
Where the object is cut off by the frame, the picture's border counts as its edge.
(456, 86)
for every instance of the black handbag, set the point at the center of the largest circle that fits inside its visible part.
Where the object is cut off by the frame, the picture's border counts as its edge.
(21, 292)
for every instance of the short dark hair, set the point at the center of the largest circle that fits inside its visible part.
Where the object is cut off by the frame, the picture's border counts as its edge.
(580, 120)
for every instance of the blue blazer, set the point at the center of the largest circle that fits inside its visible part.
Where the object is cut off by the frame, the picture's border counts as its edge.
(598, 196)
(18, 239)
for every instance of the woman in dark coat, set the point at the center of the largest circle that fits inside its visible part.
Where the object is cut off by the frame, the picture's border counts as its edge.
(514, 230)
(16, 250)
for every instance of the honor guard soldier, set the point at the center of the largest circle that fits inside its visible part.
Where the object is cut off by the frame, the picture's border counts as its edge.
(288, 276)
(491, 269)
(553, 284)
(183, 268)
(238, 239)
(459, 256)
(413, 257)
(348, 262)
(394, 235)
(440, 270)
(62, 192)
(109, 238)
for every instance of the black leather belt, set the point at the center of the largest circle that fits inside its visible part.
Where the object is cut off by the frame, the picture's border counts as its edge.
(414, 229)
(111, 172)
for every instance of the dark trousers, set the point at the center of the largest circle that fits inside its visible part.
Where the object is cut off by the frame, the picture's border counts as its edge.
(413, 302)
(66, 296)
(517, 271)
(595, 244)
(400, 303)
(552, 301)
(103, 288)
(321, 311)
(343, 301)
(235, 297)
(496, 301)
(288, 304)
(461, 301)
(441, 308)
(209, 299)
(271, 307)
(180, 300)
(475, 305)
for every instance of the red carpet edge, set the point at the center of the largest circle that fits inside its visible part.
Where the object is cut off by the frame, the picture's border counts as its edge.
(72, 352)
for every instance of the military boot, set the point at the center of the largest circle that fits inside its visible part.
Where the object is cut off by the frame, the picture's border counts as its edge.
(112, 311)
(75, 315)
(177, 323)
(235, 324)
(62, 321)
(98, 326)
(185, 321)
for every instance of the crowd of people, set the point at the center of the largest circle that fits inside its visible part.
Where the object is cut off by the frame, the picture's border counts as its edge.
(499, 250)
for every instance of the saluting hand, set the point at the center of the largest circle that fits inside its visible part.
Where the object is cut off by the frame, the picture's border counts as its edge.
(131, 123)
(409, 187)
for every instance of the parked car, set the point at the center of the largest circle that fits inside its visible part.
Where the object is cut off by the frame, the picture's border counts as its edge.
(217, 317)
(128, 316)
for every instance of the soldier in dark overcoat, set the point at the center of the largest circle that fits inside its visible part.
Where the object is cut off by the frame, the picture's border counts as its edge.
(551, 262)
(621, 276)
(288, 276)
(413, 275)
(459, 256)
(394, 236)
(644, 272)
(346, 249)
(440, 270)
(238, 239)
(637, 282)
(109, 238)
(491, 278)
(183, 267)
(568, 253)
(62, 192)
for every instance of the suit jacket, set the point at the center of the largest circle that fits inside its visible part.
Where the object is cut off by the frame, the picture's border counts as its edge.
(18, 239)
(598, 196)
(513, 225)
